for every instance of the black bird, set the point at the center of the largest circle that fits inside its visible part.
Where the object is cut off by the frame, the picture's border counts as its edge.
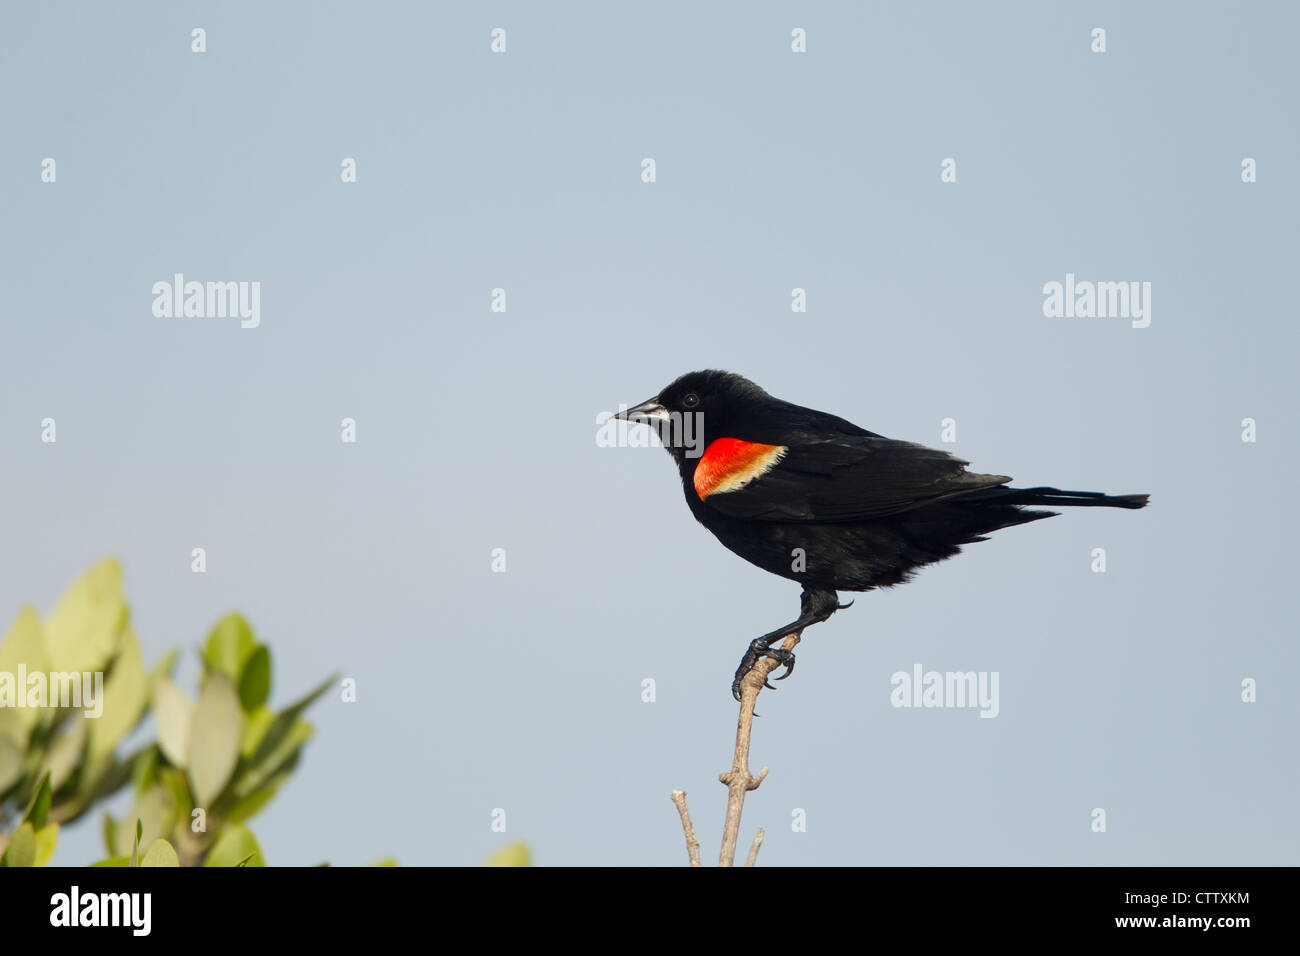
(818, 500)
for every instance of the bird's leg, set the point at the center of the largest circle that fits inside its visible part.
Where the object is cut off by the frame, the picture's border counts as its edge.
(816, 605)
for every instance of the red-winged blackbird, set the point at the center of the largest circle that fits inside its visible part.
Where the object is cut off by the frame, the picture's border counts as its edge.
(818, 500)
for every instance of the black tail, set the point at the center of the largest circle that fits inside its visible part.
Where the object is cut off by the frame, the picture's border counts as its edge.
(1054, 497)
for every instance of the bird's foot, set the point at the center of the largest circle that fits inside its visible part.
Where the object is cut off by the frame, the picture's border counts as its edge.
(757, 651)
(816, 604)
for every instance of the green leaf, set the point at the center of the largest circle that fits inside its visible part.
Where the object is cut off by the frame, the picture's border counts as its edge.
(285, 722)
(13, 747)
(229, 646)
(246, 806)
(386, 861)
(236, 846)
(38, 810)
(135, 850)
(267, 763)
(65, 753)
(114, 861)
(47, 841)
(153, 814)
(108, 830)
(12, 727)
(99, 782)
(256, 785)
(177, 786)
(126, 693)
(302, 703)
(160, 853)
(21, 850)
(516, 854)
(256, 724)
(24, 645)
(214, 738)
(255, 680)
(144, 767)
(173, 713)
(82, 631)
(164, 667)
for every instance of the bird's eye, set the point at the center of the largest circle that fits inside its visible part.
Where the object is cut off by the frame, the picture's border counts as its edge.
(690, 400)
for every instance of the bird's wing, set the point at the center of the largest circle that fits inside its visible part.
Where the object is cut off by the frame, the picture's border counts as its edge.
(839, 479)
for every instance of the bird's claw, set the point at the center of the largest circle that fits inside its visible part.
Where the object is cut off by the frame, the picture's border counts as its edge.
(752, 656)
(783, 658)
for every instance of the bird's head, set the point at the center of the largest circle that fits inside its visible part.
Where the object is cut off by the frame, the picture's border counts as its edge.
(696, 408)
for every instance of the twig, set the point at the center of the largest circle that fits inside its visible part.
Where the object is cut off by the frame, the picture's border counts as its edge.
(753, 850)
(692, 842)
(738, 780)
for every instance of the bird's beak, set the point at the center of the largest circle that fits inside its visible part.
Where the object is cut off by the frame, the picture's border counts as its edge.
(645, 413)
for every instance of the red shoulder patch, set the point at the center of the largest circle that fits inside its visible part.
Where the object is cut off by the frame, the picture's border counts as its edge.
(729, 464)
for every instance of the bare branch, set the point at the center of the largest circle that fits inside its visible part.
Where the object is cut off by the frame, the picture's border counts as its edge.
(738, 780)
(753, 850)
(692, 842)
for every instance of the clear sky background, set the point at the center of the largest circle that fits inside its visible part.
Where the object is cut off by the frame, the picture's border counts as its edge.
(476, 430)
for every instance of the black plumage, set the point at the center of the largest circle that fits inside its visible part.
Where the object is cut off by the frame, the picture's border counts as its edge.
(816, 499)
